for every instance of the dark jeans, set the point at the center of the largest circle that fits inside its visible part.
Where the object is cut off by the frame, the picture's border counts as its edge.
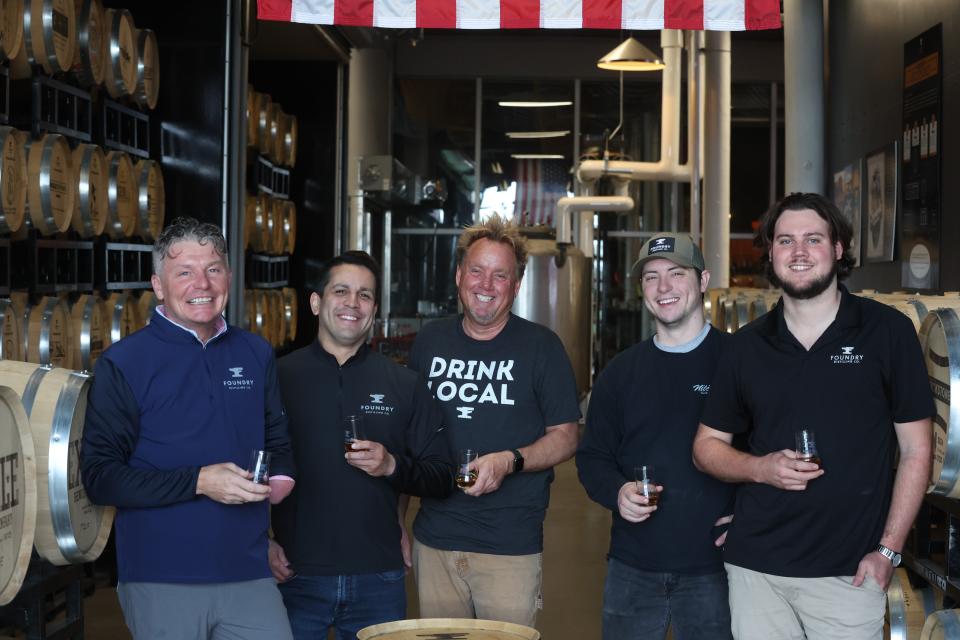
(640, 605)
(347, 603)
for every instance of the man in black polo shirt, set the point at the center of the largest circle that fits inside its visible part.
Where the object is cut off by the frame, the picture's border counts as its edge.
(664, 568)
(811, 550)
(338, 549)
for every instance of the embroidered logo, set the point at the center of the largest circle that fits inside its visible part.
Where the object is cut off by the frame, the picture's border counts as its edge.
(376, 398)
(465, 413)
(660, 245)
(702, 389)
(376, 405)
(847, 356)
(237, 381)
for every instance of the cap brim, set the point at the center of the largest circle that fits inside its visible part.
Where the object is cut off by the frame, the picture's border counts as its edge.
(670, 257)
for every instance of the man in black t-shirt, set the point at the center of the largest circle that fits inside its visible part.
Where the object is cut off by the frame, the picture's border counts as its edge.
(340, 549)
(811, 549)
(508, 391)
(664, 568)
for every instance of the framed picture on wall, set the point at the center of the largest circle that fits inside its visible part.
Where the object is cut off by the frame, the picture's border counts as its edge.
(880, 216)
(846, 195)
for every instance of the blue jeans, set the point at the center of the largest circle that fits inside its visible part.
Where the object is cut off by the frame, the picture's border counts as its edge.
(347, 603)
(640, 605)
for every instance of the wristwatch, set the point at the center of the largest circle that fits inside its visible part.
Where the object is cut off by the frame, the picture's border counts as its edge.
(891, 555)
(517, 461)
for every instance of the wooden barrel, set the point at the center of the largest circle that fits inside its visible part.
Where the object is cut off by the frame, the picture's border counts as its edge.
(290, 312)
(11, 24)
(734, 312)
(11, 337)
(290, 135)
(940, 340)
(122, 316)
(276, 243)
(69, 527)
(91, 208)
(120, 70)
(146, 303)
(121, 196)
(256, 227)
(908, 608)
(908, 305)
(276, 319)
(48, 333)
(264, 104)
(13, 180)
(277, 123)
(251, 115)
(151, 199)
(49, 38)
(942, 625)
(256, 311)
(18, 494)
(88, 329)
(50, 184)
(148, 69)
(289, 224)
(711, 306)
(89, 60)
(447, 628)
(22, 307)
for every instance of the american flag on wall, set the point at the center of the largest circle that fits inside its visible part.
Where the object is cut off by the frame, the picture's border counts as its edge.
(709, 15)
(540, 183)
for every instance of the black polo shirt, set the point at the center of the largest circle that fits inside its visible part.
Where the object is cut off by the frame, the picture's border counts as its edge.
(863, 374)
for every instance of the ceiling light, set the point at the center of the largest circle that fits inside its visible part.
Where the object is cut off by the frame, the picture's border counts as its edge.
(535, 103)
(537, 156)
(631, 56)
(537, 134)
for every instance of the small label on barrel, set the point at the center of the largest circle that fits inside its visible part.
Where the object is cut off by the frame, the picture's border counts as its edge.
(938, 370)
(84, 515)
(12, 494)
(10, 179)
(61, 23)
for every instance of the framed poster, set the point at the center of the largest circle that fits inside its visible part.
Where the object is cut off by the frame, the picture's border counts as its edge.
(880, 185)
(920, 208)
(846, 195)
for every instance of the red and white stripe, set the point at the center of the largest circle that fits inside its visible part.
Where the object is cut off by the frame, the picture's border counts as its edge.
(709, 15)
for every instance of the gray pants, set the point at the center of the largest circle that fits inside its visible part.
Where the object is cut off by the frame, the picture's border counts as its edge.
(250, 610)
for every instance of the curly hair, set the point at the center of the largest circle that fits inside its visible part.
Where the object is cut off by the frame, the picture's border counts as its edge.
(190, 230)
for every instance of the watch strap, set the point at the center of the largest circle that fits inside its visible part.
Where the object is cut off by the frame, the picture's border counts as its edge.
(517, 460)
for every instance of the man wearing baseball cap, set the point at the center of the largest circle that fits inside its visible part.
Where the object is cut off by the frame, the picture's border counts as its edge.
(664, 567)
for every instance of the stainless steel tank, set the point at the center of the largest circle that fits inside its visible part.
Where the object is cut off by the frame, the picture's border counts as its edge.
(555, 292)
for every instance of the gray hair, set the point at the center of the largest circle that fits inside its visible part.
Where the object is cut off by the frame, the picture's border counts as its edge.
(186, 229)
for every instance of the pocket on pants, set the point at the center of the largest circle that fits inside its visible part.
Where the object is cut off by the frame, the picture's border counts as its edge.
(390, 577)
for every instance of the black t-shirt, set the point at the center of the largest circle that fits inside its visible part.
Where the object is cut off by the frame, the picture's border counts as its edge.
(496, 395)
(863, 374)
(338, 519)
(644, 409)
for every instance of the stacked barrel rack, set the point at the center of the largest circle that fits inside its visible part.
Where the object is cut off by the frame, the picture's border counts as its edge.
(81, 200)
(270, 220)
(933, 549)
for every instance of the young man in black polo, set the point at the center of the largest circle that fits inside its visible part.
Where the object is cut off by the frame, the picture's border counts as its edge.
(664, 568)
(811, 549)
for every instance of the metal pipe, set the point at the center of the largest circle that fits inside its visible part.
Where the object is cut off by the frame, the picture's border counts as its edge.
(695, 118)
(803, 95)
(774, 130)
(716, 185)
(338, 177)
(235, 131)
(567, 205)
(477, 141)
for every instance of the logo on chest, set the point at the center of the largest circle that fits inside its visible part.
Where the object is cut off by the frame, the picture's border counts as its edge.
(847, 356)
(702, 389)
(237, 381)
(377, 405)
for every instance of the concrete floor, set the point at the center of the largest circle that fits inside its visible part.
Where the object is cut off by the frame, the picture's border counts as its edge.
(576, 535)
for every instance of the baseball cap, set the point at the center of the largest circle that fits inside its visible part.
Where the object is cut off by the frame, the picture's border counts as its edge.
(675, 247)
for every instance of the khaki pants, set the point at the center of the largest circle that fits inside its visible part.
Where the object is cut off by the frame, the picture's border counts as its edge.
(768, 607)
(459, 584)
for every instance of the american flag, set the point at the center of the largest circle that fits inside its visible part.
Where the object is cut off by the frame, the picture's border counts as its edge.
(709, 15)
(540, 183)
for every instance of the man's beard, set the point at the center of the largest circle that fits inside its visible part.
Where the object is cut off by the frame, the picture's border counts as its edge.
(811, 290)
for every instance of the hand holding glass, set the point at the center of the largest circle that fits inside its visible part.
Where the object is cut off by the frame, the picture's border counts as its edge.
(646, 483)
(259, 466)
(807, 446)
(353, 430)
(466, 476)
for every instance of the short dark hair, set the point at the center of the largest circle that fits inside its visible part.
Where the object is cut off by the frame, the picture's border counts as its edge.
(190, 230)
(356, 258)
(840, 228)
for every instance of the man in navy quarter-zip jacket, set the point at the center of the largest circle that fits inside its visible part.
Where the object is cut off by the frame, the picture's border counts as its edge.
(340, 551)
(173, 414)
